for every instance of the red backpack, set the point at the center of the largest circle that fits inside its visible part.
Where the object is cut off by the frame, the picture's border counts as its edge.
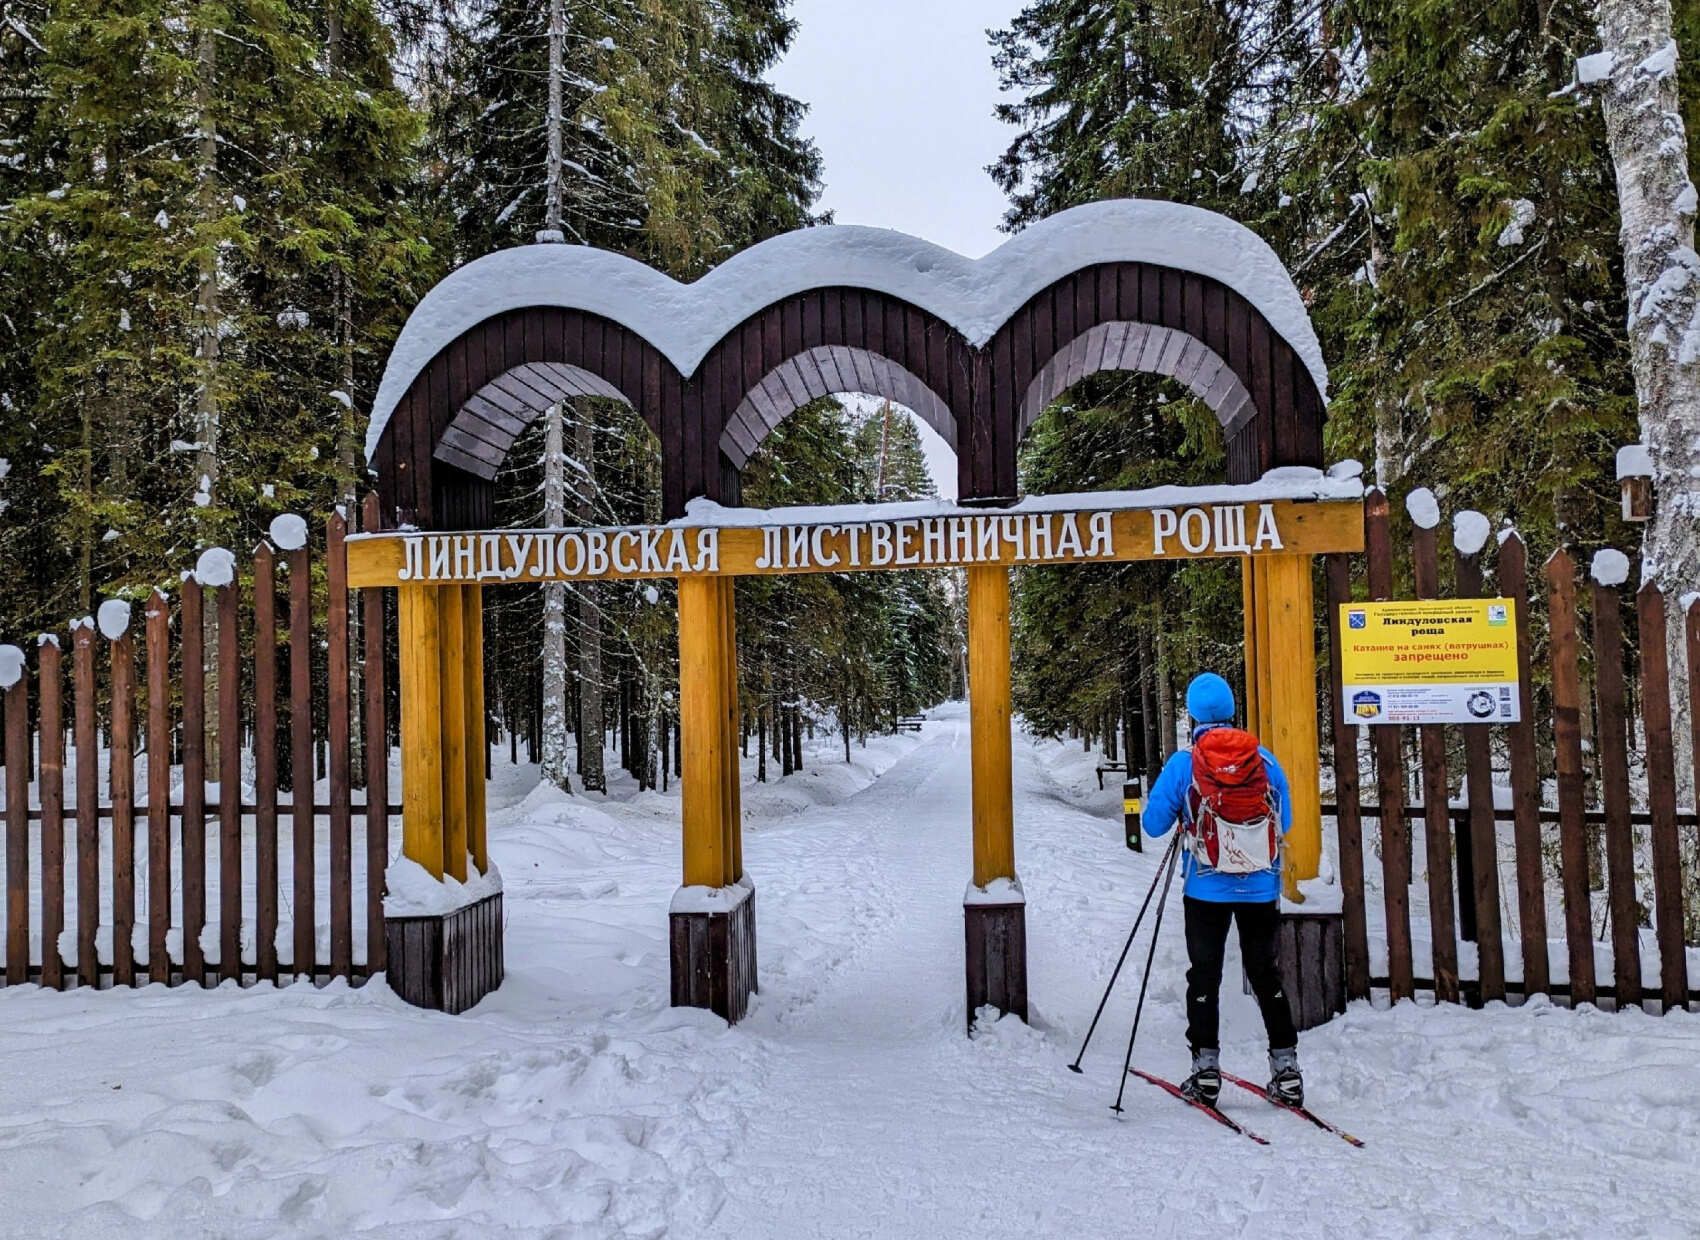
(1235, 819)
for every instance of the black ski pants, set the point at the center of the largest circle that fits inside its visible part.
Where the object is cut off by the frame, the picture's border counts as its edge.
(1206, 941)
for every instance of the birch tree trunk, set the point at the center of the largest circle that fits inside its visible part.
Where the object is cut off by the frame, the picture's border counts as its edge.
(552, 169)
(348, 440)
(555, 610)
(589, 620)
(1657, 202)
(555, 461)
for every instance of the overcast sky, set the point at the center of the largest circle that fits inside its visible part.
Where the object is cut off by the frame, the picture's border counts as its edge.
(900, 96)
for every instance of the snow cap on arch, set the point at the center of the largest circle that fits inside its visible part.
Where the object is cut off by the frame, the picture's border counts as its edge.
(975, 296)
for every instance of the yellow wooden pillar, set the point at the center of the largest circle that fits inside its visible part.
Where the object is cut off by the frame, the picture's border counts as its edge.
(1281, 646)
(702, 730)
(988, 723)
(1253, 586)
(451, 625)
(420, 642)
(477, 745)
(732, 826)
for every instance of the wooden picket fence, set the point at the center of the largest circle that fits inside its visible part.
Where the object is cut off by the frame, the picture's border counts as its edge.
(182, 837)
(1467, 842)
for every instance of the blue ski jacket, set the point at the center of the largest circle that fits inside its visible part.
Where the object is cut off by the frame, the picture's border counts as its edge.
(1167, 805)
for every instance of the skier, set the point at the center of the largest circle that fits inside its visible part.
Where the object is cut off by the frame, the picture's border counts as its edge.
(1230, 795)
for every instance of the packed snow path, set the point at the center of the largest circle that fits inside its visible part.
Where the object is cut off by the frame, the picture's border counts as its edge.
(574, 1102)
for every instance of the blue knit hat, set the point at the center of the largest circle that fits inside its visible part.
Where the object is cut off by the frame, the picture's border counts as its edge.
(1209, 699)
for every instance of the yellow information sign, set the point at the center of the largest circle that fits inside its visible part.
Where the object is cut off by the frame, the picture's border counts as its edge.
(1429, 661)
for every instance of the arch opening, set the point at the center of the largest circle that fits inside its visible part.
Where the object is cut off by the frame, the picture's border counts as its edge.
(1149, 349)
(483, 430)
(828, 370)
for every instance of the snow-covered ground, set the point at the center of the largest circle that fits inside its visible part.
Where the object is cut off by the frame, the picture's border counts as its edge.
(574, 1102)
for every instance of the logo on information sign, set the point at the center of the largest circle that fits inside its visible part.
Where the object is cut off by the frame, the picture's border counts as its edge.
(1366, 704)
(1356, 619)
(1480, 704)
(1496, 614)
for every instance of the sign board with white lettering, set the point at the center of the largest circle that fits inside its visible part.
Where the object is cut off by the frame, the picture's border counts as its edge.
(954, 540)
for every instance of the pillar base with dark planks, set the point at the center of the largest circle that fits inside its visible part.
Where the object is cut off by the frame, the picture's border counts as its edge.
(446, 961)
(994, 926)
(1311, 953)
(712, 946)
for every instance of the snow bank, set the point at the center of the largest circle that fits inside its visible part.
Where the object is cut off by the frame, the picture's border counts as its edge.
(1424, 508)
(998, 891)
(1610, 567)
(1346, 469)
(975, 296)
(113, 618)
(288, 532)
(11, 666)
(411, 891)
(697, 899)
(216, 567)
(1470, 530)
(1318, 895)
(1290, 482)
(1634, 460)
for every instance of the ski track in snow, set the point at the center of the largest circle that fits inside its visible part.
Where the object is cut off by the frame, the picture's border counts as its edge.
(574, 1102)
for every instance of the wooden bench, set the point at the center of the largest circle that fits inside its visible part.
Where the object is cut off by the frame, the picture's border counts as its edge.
(1107, 767)
(909, 723)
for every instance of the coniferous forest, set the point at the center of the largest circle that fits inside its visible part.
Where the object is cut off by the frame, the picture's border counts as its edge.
(214, 219)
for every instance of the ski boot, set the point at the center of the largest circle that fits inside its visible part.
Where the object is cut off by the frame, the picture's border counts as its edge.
(1205, 1083)
(1286, 1083)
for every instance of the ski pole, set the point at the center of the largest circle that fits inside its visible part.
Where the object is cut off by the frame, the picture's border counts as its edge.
(1139, 1008)
(1126, 947)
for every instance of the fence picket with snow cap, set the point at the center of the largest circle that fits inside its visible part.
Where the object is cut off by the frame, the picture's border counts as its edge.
(1513, 574)
(301, 754)
(87, 738)
(337, 730)
(1469, 534)
(1390, 782)
(1661, 797)
(1567, 743)
(192, 647)
(121, 792)
(229, 784)
(14, 680)
(50, 776)
(1611, 741)
(1437, 820)
(159, 786)
(1348, 820)
(265, 764)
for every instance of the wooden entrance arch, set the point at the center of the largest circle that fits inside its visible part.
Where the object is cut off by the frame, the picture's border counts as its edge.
(975, 347)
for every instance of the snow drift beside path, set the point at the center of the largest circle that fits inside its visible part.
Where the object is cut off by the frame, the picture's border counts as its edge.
(573, 1102)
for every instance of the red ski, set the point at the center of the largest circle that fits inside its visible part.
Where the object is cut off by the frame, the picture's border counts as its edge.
(1212, 1112)
(1287, 1106)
